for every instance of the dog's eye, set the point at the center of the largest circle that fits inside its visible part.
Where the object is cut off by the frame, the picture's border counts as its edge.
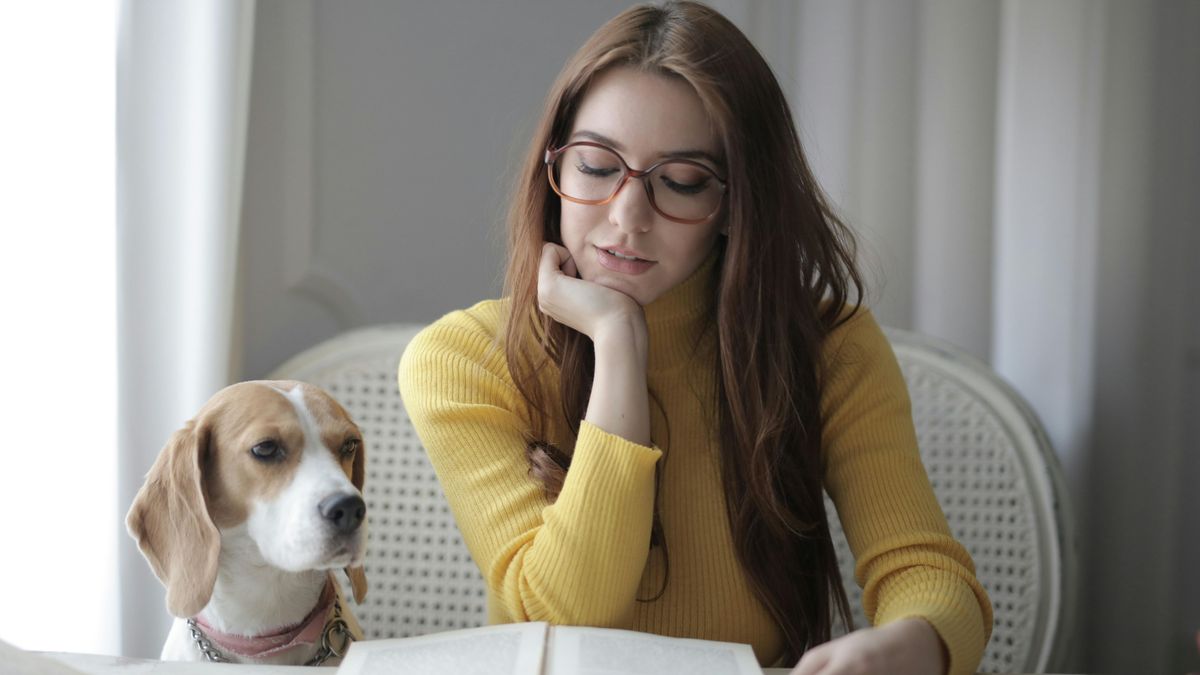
(350, 447)
(266, 450)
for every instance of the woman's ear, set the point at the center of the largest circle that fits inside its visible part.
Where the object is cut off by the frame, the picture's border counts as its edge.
(170, 521)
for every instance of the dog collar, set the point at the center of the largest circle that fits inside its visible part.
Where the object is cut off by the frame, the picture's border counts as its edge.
(318, 626)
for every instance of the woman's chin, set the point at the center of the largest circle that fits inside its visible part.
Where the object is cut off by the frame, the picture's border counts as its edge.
(620, 285)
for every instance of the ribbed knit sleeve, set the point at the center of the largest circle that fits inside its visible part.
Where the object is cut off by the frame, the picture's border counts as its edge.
(907, 562)
(578, 561)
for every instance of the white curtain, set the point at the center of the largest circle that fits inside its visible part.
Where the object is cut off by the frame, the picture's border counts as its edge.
(1024, 176)
(58, 272)
(183, 91)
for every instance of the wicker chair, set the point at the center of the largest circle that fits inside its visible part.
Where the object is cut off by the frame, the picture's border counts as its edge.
(420, 577)
(1000, 485)
(988, 459)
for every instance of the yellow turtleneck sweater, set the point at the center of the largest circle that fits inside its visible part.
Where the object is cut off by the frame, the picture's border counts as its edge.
(585, 559)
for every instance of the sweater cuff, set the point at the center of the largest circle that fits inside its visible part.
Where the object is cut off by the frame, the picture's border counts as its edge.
(951, 607)
(600, 527)
(605, 459)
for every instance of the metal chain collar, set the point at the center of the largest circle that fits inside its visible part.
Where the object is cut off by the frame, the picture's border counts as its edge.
(335, 640)
(335, 629)
(206, 648)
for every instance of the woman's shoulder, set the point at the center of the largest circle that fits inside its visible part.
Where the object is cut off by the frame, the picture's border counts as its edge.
(855, 337)
(851, 319)
(474, 331)
(483, 319)
(859, 369)
(457, 360)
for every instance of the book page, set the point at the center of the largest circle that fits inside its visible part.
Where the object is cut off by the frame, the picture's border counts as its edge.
(509, 649)
(601, 651)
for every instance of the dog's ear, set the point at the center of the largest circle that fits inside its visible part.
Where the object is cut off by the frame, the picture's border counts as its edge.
(358, 474)
(358, 583)
(170, 521)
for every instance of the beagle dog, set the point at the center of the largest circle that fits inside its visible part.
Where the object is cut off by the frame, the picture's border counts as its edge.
(245, 515)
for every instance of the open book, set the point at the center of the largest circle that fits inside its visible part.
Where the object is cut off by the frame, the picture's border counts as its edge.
(542, 649)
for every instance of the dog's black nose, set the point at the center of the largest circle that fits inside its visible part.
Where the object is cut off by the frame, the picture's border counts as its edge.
(345, 512)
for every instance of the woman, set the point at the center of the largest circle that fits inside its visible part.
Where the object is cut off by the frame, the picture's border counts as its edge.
(638, 434)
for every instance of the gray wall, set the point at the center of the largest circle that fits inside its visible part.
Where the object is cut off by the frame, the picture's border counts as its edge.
(382, 140)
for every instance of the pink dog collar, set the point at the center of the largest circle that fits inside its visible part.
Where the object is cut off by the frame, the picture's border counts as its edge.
(307, 632)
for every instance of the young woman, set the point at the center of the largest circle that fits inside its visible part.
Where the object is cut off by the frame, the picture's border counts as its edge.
(637, 435)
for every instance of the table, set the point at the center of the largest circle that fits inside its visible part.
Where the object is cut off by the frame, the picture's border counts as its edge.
(93, 664)
(118, 665)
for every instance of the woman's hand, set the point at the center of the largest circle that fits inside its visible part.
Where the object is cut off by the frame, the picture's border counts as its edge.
(905, 647)
(589, 308)
(619, 400)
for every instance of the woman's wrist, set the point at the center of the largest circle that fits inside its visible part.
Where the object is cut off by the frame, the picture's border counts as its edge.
(619, 400)
(919, 632)
(621, 337)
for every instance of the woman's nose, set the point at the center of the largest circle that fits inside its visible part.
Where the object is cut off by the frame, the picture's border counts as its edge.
(630, 210)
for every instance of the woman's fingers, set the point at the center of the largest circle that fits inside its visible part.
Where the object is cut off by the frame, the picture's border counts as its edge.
(553, 258)
(549, 269)
(906, 647)
(586, 306)
(813, 662)
(555, 276)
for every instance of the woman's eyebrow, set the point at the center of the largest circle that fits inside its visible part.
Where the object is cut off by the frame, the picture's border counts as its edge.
(599, 138)
(616, 145)
(695, 154)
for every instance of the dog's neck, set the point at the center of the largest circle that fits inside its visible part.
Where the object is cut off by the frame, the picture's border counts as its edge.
(252, 597)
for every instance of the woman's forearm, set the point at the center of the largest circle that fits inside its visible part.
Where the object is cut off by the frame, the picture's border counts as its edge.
(619, 401)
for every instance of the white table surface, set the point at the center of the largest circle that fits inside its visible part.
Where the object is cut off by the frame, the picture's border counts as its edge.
(118, 665)
(92, 664)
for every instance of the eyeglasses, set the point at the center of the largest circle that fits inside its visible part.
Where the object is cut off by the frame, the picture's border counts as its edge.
(590, 173)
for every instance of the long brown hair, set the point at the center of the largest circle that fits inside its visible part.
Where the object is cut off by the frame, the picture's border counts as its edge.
(786, 272)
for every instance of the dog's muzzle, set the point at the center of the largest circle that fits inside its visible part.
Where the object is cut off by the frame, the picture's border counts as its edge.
(345, 512)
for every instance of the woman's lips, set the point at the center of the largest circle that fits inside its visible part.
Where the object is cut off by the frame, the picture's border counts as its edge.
(622, 265)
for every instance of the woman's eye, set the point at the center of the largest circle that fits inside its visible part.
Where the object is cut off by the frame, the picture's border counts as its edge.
(594, 170)
(350, 447)
(267, 450)
(686, 188)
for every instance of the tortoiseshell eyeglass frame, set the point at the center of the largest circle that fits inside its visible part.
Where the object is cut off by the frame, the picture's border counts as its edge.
(552, 155)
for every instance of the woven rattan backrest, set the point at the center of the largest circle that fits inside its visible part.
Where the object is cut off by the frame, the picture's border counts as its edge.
(1000, 486)
(421, 578)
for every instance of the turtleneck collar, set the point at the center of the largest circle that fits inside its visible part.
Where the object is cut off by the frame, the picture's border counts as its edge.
(683, 317)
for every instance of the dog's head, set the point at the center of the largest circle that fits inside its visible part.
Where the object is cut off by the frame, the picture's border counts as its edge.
(281, 458)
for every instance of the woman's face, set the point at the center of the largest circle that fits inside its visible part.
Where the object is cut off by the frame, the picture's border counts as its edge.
(646, 118)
